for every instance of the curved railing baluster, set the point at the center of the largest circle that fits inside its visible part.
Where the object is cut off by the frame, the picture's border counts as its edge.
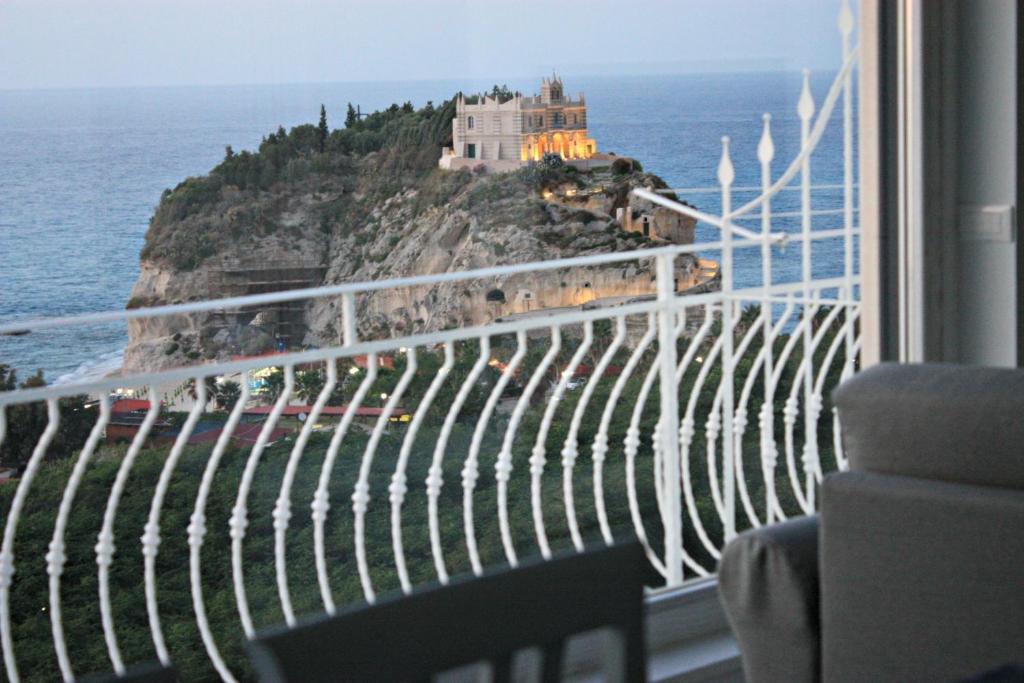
(569, 455)
(283, 507)
(740, 413)
(819, 384)
(631, 445)
(600, 447)
(361, 493)
(56, 558)
(503, 466)
(197, 534)
(808, 459)
(711, 426)
(240, 513)
(537, 462)
(686, 431)
(763, 359)
(435, 480)
(321, 499)
(790, 411)
(11, 528)
(398, 487)
(569, 448)
(471, 467)
(848, 367)
(151, 536)
(830, 354)
(105, 541)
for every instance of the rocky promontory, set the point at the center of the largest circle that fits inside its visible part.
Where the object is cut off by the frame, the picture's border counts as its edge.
(367, 202)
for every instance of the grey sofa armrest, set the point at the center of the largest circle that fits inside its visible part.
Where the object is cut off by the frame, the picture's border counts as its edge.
(935, 421)
(768, 583)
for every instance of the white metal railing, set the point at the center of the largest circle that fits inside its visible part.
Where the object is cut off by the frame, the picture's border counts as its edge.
(681, 467)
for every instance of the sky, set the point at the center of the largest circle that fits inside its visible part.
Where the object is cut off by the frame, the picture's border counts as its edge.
(117, 43)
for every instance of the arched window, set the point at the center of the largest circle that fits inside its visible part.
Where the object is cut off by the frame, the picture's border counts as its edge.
(469, 123)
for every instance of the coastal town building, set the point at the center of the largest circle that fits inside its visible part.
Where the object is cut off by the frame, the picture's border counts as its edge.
(505, 135)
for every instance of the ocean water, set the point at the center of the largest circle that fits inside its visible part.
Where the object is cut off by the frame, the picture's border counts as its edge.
(82, 171)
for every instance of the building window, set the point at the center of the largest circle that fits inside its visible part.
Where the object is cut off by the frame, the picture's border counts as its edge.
(574, 119)
(469, 123)
(540, 120)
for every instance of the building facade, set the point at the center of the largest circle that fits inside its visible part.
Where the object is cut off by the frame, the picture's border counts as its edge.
(507, 135)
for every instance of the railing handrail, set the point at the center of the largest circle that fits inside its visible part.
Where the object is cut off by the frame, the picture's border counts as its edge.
(360, 348)
(753, 239)
(746, 188)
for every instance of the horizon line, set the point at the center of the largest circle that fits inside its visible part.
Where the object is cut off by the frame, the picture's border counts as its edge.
(506, 78)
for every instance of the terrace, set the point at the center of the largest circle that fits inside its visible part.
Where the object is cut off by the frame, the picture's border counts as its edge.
(717, 418)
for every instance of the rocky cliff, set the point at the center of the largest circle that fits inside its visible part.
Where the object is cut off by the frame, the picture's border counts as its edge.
(368, 203)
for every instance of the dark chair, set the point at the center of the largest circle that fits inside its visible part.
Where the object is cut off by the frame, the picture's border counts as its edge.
(149, 672)
(485, 619)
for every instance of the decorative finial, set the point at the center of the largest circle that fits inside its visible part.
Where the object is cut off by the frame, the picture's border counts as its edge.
(845, 19)
(726, 172)
(805, 107)
(766, 148)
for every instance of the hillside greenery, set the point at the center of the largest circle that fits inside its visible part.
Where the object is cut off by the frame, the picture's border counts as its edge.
(404, 142)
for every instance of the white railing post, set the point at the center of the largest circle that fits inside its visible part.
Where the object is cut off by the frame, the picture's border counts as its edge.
(766, 417)
(845, 29)
(669, 422)
(805, 110)
(348, 319)
(726, 175)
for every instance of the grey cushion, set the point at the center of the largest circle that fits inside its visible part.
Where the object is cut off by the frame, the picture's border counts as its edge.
(936, 421)
(920, 580)
(768, 583)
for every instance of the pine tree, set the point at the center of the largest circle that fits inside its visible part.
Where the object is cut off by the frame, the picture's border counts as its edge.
(322, 129)
(350, 117)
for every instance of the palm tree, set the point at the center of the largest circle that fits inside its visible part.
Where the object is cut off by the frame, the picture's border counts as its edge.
(308, 385)
(227, 394)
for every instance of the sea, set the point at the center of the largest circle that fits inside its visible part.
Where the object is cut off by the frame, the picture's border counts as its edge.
(82, 170)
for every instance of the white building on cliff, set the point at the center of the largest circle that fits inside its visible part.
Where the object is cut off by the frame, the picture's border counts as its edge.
(506, 135)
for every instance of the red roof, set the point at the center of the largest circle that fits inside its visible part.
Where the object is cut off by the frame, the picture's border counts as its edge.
(259, 355)
(129, 405)
(610, 371)
(244, 433)
(293, 411)
(383, 361)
